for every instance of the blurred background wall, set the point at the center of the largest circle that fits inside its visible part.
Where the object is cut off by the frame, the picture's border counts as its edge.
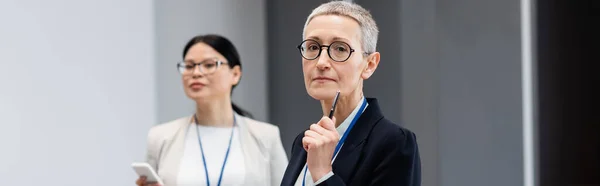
(77, 90)
(81, 82)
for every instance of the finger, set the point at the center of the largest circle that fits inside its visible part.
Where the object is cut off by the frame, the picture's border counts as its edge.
(152, 184)
(309, 142)
(313, 134)
(336, 134)
(140, 181)
(327, 123)
(324, 132)
(305, 143)
(319, 129)
(320, 139)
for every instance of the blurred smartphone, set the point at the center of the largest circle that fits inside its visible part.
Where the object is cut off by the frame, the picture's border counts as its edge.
(144, 169)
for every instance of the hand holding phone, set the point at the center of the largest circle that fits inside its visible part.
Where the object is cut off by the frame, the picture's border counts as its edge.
(146, 173)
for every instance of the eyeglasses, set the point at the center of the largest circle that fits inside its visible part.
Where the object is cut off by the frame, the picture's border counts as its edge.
(338, 51)
(208, 66)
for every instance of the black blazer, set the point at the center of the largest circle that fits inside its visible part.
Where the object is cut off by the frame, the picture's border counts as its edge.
(376, 152)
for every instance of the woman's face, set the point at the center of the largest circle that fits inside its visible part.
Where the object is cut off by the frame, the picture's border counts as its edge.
(215, 81)
(323, 76)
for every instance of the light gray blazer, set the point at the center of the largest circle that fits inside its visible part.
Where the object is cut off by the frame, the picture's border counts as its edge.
(264, 157)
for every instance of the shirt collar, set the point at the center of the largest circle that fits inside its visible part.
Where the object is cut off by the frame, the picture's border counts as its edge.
(344, 125)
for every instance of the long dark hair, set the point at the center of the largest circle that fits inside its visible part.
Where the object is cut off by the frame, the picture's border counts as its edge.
(225, 48)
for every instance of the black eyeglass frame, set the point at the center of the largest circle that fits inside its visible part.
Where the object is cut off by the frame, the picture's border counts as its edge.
(328, 48)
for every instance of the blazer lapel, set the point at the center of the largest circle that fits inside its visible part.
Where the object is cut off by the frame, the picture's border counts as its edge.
(173, 153)
(352, 147)
(297, 162)
(253, 157)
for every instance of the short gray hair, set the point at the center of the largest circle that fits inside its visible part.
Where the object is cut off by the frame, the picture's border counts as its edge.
(368, 27)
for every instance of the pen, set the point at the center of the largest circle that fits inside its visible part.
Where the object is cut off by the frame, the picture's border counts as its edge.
(334, 103)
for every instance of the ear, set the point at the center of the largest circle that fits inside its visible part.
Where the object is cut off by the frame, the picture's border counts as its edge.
(372, 63)
(237, 75)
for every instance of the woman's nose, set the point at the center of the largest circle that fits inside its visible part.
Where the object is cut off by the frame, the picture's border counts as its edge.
(323, 61)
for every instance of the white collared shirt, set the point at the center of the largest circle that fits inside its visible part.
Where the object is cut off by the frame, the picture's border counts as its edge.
(341, 130)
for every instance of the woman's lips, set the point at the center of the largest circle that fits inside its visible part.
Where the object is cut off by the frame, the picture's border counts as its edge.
(196, 85)
(323, 79)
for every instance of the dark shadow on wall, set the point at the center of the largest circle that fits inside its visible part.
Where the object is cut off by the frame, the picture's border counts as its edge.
(569, 122)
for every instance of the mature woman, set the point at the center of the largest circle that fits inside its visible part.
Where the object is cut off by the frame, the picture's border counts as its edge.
(218, 144)
(338, 53)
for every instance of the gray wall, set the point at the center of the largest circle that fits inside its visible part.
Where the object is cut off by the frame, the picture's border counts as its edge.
(419, 75)
(480, 128)
(461, 86)
(243, 22)
(76, 91)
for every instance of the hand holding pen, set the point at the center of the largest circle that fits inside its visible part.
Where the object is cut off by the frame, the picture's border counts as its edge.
(319, 142)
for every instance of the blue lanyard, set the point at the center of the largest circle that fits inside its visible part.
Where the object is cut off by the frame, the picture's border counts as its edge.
(226, 153)
(339, 145)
